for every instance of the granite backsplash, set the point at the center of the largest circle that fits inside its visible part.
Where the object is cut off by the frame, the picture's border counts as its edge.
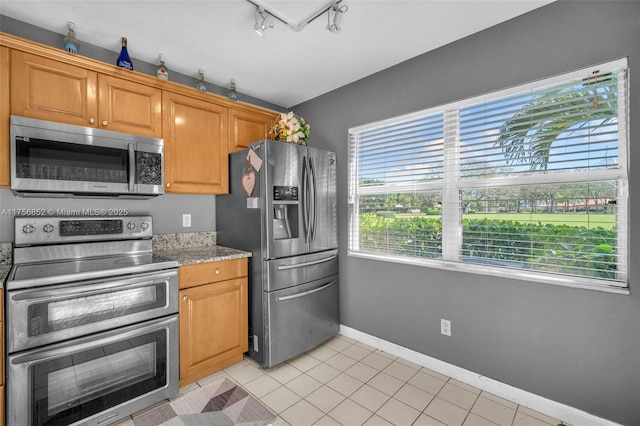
(6, 253)
(184, 240)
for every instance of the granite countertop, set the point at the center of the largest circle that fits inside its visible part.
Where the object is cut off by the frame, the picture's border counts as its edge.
(4, 271)
(202, 254)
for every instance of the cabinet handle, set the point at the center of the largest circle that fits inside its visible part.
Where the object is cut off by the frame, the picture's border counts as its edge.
(92, 120)
(217, 271)
(185, 298)
(168, 184)
(104, 123)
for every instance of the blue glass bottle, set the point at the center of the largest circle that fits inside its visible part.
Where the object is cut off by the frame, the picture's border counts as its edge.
(233, 94)
(123, 59)
(200, 84)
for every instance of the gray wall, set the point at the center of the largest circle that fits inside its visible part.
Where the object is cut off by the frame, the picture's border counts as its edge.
(167, 210)
(578, 347)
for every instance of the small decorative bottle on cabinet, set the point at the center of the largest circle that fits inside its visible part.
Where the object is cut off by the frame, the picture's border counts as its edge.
(200, 84)
(161, 70)
(233, 94)
(70, 42)
(123, 59)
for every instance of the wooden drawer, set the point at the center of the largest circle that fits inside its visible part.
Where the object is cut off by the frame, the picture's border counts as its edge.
(211, 272)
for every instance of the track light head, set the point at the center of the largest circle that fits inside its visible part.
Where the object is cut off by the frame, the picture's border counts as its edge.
(263, 22)
(333, 24)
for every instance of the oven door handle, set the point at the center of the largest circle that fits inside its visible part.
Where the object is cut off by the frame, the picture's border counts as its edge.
(132, 167)
(89, 342)
(58, 293)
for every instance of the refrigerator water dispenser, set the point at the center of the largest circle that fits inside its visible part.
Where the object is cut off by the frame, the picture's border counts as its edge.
(283, 216)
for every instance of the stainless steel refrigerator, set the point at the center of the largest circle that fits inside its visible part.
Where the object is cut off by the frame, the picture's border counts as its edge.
(288, 220)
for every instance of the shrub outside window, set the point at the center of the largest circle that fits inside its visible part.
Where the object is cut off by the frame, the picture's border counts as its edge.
(529, 182)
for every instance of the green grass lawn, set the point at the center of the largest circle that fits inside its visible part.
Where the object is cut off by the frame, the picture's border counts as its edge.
(590, 221)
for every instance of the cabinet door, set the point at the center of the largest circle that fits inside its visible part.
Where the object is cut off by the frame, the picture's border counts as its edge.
(129, 107)
(213, 328)
(246, 127)
(51, 90)
(195, 145)
(5, 99)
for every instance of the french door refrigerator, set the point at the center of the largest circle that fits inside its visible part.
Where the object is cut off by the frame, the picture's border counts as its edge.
(282, 208)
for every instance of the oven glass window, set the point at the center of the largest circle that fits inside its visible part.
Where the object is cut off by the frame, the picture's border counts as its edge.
(73, 387)
(51, 160)
(48, 317)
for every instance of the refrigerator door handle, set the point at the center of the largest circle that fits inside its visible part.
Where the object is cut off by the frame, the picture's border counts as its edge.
(314, 219)
(305, 208)
(302, 265)
(305, 293)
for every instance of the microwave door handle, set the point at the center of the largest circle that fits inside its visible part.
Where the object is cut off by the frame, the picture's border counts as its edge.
(132, 167)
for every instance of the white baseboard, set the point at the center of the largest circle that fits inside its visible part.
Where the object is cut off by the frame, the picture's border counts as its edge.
(567, 414)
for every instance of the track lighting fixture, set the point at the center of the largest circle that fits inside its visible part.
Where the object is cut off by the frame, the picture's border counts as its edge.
(333, 25)
(264, 21)
(265, 17)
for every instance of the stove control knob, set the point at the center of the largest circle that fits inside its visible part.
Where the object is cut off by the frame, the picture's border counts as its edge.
(144, 226)
(28, 228)
(48, 228)
(131, 225)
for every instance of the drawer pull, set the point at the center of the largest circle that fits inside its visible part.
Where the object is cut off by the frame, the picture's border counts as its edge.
(306, 293)
(217, 271)
(302, 265)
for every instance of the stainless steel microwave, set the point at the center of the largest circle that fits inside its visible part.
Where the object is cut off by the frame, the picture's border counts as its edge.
(60, 160)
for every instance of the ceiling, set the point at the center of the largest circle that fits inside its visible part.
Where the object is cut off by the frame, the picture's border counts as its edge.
(293, 62)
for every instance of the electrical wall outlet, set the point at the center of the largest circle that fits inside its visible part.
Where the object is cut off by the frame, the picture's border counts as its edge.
(186, 220)
(445, 327)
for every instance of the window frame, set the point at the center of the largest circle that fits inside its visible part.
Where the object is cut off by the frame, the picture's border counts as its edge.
(451, 186)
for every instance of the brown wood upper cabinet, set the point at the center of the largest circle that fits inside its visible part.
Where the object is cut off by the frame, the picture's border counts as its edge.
(248, 126)
(52, 90)
(195, 145)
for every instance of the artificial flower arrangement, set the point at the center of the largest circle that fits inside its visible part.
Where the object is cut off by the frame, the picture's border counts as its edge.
(291, 128)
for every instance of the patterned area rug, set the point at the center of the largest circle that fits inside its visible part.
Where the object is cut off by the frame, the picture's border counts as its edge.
(220, 403)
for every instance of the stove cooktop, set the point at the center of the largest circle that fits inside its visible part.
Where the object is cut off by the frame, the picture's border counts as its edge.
(37, 274)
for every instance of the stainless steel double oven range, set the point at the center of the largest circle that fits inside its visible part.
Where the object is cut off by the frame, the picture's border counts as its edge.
(91, 321)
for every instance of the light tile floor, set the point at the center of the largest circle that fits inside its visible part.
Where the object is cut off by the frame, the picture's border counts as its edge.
(346, 382)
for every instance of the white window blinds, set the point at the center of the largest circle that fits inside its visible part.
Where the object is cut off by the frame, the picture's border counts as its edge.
(532, 179)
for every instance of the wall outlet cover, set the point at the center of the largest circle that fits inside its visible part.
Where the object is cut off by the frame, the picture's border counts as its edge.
(186, 220)
(445, 327)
